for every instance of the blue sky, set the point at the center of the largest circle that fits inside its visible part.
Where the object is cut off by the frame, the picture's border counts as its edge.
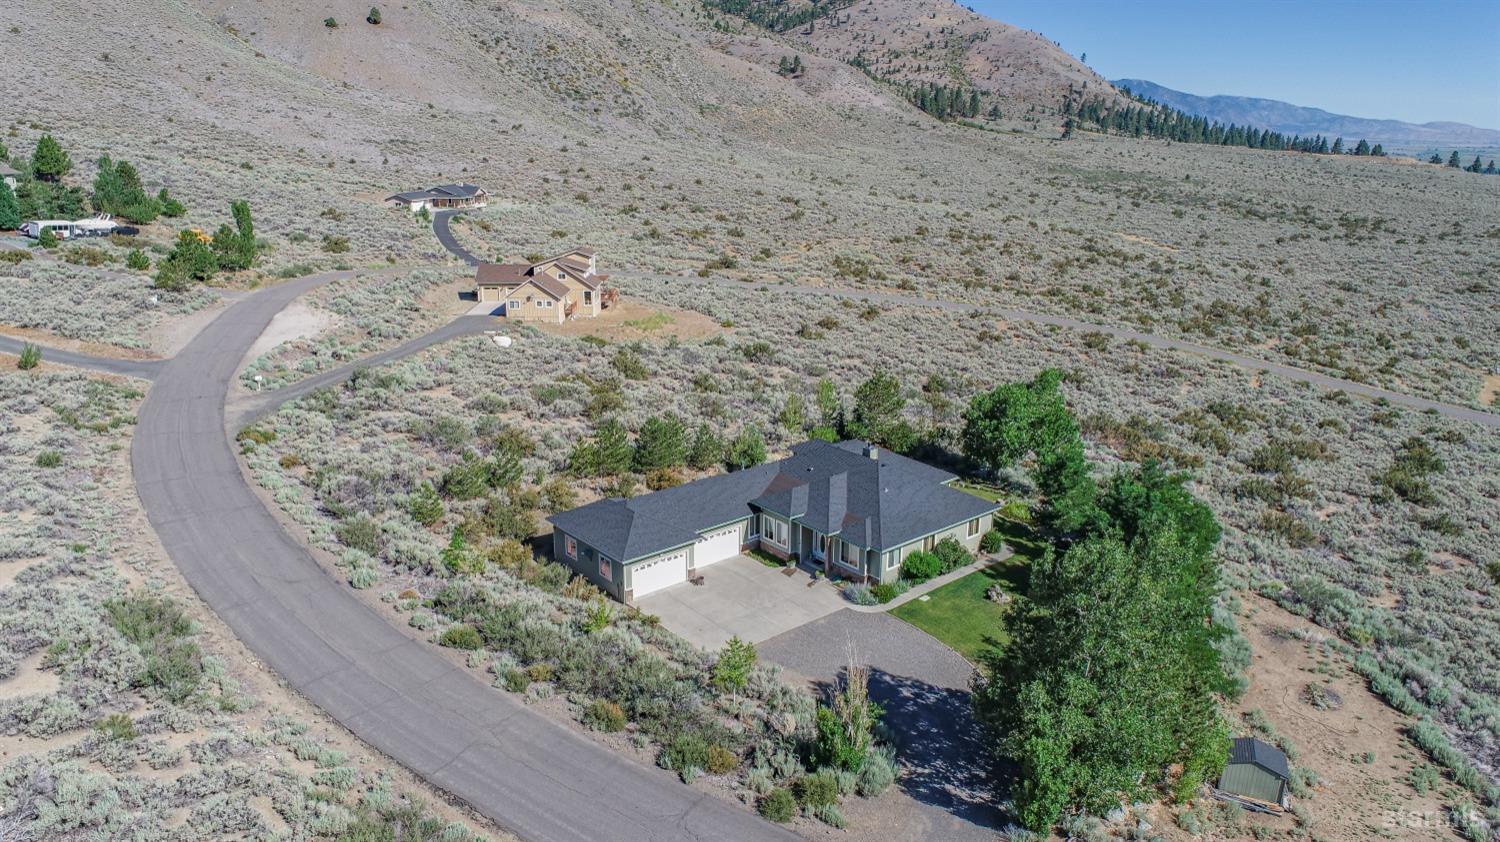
(1414, 60)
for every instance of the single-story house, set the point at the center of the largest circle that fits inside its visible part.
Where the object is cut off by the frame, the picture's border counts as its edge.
(1257, 771)
(441, 197)
(8, 175)
(849, 508)
(569, 280)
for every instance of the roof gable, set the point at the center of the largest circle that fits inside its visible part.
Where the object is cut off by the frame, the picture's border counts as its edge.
(1259, 753)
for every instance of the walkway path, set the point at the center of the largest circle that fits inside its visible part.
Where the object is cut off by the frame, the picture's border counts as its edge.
(530, 774)
(1462, 413)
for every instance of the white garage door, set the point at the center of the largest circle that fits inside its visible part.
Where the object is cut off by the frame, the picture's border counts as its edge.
(716, 546)
(649, 576)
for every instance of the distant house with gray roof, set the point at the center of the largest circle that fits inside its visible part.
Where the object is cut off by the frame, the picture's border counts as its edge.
(849, 508)
(441, 197)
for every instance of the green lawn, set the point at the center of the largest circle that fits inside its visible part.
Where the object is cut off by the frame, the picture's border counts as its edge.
(958, 613)
(983, 492)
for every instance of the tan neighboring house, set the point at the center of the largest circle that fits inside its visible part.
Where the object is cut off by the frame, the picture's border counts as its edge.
(562, 287)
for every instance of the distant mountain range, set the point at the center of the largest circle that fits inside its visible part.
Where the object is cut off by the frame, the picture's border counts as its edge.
(1300, 120)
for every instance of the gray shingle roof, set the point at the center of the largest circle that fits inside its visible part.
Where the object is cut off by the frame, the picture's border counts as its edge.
(875, 503)
(442, 191)
(1260, 753)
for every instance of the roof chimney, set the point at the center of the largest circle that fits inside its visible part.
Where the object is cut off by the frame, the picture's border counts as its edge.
(872, 451)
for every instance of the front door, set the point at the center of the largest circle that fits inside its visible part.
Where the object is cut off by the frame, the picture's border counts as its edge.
(820, 547)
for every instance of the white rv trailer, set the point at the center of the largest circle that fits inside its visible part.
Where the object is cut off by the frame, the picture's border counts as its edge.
(99, 225)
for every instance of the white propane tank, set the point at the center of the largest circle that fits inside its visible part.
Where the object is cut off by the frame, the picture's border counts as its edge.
(503, 341)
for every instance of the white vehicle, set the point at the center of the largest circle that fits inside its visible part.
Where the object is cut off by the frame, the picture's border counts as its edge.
(98, 225)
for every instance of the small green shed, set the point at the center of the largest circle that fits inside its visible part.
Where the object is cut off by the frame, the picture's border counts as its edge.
(1256, 770)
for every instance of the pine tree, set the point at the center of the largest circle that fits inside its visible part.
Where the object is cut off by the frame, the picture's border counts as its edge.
(1338, 146)
(1490, 170)
(747, 450)
(1378, 151)
(1362, 148)
(1477, 166)
(662, 443)
(707, 449)
(612, 444)
(10, 209)
(1435, 159)
(1453, 160)
(49, 162)
(246, 230)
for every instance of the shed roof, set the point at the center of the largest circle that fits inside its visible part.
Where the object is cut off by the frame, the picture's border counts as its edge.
(1259, 753)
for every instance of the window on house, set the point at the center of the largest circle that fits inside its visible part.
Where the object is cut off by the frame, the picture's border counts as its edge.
(515, 302)
(851, 555)
(588, 297)
(891, 557)
(539, 304)
(973, 527)
(570, 547)
(928, 543)
(606, 569)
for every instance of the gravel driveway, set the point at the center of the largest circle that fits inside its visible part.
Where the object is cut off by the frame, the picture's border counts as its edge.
(924, 687)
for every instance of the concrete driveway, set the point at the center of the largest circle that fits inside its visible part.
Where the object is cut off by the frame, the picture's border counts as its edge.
(741, 596)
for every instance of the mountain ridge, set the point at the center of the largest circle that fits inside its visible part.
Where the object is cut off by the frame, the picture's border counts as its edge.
(1285, 117)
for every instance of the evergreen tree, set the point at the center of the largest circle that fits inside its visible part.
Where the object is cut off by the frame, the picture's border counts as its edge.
(118, 191)
(612, 446)
(747, 450)
(707, 449)
(1477, 166)
(878, 403)
(1490, 170)
(49, 162)
(662, 443)
(1435, 159)
(1453, 160)
(243, 225)
(191, 260)
(10, 209)
(1362, 148)
(169, 206)
(1338, 146)
(830, 409)
(1378, 151)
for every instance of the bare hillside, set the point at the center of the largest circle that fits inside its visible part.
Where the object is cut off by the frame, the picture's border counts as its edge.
(939, 42)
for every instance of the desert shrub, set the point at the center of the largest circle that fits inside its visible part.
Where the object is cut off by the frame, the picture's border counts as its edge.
(516, 681)
(160, 629)
(721, 761)
(48, 459)
(992, 541)
(117, 726)
(817, 790)
(29, 358)
(630, 366)
(684, 752)
(830, 815)
(921, 566)
(878, 773)
(360, 532)
(778, 805)
(461, 636)
(425, 506)
(137, 260)
(604, 715)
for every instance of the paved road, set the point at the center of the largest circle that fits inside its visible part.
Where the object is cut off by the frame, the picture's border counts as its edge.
(445, 236)
(1461, 413)
(531, 775)
(924, 688)
(144, 369)
(255, 405)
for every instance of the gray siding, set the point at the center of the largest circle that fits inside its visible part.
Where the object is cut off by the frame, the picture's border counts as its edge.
(587, 565)
(959, 532)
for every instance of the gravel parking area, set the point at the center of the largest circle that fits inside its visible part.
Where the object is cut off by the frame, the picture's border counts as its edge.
(924, 688)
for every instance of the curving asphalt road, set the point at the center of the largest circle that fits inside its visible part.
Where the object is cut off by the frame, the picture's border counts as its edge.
(531, 775)
(144, 369)
(259, 404)
(445, 236)
(1461, 413)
